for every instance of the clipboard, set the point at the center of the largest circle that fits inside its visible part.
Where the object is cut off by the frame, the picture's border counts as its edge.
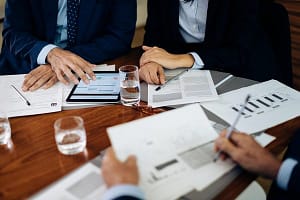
(105, 89)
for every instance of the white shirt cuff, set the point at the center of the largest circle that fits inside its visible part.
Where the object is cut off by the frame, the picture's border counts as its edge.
(285, 172)
(41, 59)
(123, 190)
(198, 64)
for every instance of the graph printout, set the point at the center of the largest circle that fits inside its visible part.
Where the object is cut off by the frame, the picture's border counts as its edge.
(271, 103)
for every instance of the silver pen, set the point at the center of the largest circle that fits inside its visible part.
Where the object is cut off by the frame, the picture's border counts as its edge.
(21, 95)
(231, 128)
(223, 81)
(171, 79)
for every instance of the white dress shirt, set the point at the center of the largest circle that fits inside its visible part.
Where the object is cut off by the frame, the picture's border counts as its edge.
(192, 24)
(61, 35)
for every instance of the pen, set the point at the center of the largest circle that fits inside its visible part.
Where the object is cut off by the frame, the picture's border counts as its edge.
(223, 81)
(231, 128)
(20, 94)
(168, 81)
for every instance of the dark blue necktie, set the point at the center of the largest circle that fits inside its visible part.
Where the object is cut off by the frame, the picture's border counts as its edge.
(72, 16)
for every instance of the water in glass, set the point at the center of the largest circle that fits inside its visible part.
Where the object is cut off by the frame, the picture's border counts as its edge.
(70, 135)
(130, 92)
(5, 131)
(71, 142)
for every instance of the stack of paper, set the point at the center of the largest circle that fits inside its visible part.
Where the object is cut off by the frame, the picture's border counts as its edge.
(174, 151)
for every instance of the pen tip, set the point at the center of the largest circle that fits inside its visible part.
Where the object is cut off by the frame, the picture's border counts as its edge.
(158, 88)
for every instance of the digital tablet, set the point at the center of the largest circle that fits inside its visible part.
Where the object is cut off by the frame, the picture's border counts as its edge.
(105, 89)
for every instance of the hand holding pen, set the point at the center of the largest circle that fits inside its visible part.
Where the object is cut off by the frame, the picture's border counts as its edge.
(232, 127)
(171, 79)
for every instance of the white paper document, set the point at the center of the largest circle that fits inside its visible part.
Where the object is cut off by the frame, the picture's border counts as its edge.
(271, 103)
(169, 147)
(192, 86)
(41, 101)
(85, 183)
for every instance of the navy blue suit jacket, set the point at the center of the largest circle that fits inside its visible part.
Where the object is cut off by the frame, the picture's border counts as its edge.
(293, 191)
(106, 29)
(235, 39)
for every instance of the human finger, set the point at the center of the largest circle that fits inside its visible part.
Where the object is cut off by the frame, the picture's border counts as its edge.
(60, 76)
(153, 75)
(131, 161)
(223, 144)
(50, 82)
(146, 48)
(66, 70)
(87, 67)
(28, 82)
(161, 74)
(144, 75)
(110, 155)
(39, 83)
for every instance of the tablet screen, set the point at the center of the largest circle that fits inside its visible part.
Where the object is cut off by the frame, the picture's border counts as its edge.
(106, 88)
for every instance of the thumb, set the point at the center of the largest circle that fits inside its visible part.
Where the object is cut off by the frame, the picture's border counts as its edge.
(146, 48)
(131, 161)
(109, 155)
(161, 74)
(226, 146)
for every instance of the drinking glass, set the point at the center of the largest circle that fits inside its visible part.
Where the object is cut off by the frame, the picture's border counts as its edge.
(70, 135)
(130, 85)
(5, 131)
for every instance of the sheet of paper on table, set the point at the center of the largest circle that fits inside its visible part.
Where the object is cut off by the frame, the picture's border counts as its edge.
(271, 103)
(192, 86)
(41, 101)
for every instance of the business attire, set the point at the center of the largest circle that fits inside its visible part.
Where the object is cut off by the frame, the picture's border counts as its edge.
(33, 27)
(227, 35)
(286, 185)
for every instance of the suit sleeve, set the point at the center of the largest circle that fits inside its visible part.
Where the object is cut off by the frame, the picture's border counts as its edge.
(245, 38)
(18, 31)
(152, 28)
(294, 182)
(117, 36)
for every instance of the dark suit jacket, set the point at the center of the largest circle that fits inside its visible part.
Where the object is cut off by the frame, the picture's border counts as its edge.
(235, 40)
(293, 192)
(106, 29)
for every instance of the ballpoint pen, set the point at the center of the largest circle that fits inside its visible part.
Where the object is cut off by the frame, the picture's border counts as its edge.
(224, 80)
(20, 94)
(171, 79)
(231, 128)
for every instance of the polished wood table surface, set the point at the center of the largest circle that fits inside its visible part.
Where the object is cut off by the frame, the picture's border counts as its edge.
(31, 161)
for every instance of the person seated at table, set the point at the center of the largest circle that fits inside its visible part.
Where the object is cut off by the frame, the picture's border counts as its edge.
(122, 178)
(216, 35)
(57, 40)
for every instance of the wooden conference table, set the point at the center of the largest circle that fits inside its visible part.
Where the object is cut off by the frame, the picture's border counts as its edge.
(31, 161)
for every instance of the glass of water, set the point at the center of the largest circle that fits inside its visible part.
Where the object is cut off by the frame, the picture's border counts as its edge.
(70, 135)
(5, 131)
(130, 85)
